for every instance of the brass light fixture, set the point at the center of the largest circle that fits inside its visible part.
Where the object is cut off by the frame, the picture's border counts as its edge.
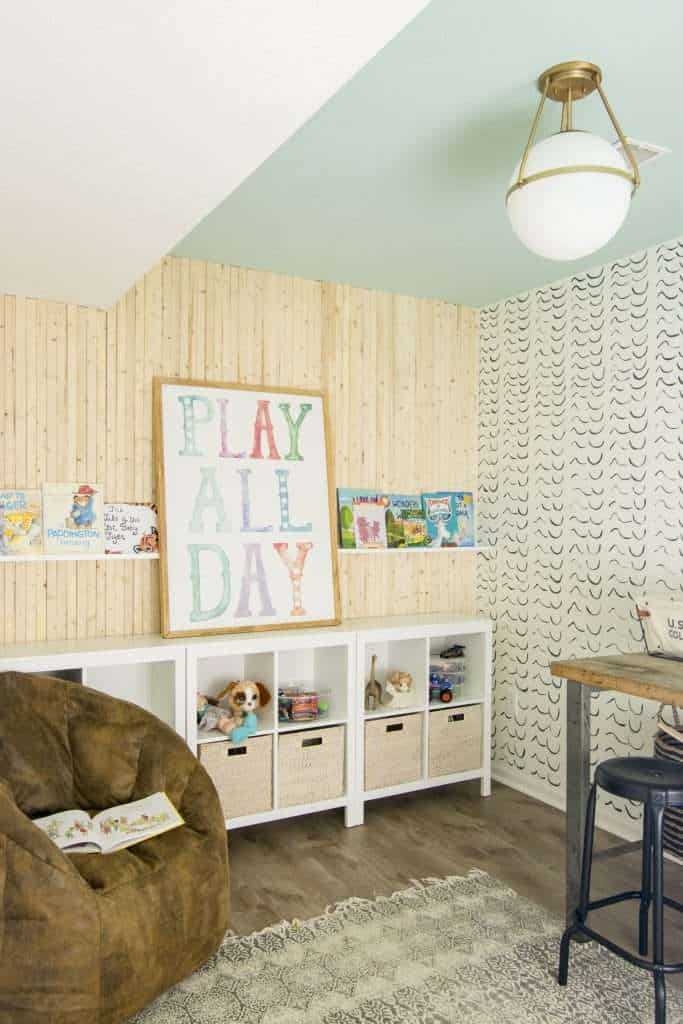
(570, 193)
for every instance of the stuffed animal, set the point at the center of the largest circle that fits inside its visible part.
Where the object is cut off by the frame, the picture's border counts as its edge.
(217, 718)
(202, 706)
(242, 699)
(398, 690)
(210, 716)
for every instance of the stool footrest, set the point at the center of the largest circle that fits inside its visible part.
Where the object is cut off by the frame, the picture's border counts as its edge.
(674, 904)
(634, 894)
(608, 901)
(637, 961)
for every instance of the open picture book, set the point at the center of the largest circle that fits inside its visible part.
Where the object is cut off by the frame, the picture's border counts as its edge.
(113, 829)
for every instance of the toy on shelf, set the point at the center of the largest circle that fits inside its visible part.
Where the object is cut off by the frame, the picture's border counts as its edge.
(233, 710)
(398, 690)
(373, 691)
(441, 688)
(453, 653)
(447, 674)
(210, 716)
(295, 704)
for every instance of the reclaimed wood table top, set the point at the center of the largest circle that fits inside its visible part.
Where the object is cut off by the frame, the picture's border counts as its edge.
(636, 674)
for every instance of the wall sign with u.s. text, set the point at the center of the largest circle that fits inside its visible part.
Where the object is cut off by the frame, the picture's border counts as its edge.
(246, 508)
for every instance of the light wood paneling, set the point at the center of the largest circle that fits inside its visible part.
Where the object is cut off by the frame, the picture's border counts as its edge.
(75, 399)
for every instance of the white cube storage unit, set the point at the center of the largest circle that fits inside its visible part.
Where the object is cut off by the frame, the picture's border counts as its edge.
(303, 766)
(425, 742)
(341, 759)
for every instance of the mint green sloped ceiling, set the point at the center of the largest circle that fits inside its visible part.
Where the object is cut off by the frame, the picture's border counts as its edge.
(398, 182)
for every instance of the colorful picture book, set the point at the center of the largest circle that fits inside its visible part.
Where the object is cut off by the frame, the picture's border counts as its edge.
(21, 523)
(114, 829)
(362, 518)
(405, 520)
(369, 524)
(450, 518)
(130, 528)
(73, 519)
(371, 519)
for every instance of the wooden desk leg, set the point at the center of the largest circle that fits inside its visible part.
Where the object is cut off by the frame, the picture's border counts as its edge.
(578, 784)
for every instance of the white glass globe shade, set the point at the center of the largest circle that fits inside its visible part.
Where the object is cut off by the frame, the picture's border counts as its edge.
(568, 216)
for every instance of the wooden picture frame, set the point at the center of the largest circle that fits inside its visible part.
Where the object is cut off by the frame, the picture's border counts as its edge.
(290, 570)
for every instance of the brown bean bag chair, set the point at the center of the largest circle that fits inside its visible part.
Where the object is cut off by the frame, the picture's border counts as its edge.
(91, 938)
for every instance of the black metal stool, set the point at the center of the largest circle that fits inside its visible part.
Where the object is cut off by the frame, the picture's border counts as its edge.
(657, 784)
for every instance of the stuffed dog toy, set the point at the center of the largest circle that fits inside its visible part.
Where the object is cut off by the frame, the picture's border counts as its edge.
(242, 699)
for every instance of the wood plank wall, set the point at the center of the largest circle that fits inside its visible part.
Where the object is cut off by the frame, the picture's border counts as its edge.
(75, 402)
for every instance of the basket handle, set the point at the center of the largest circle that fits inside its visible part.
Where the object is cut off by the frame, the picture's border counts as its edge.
(314, 741)
(235, 751)
(395, 727)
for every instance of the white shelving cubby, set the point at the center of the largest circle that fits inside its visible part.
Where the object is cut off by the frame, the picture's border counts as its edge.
(318, 659)
(406, 643)
(147, 671)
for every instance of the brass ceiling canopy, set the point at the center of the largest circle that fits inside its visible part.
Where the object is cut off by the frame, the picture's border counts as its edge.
(575, 79)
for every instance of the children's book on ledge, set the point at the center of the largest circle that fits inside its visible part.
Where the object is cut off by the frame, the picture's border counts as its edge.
(130, 528)
(72, 519)
(113, 829)
(434, 519)
(21, 523)
(450, 518)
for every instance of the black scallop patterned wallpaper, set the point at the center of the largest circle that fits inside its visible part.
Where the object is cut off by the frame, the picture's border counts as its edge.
(581, 491)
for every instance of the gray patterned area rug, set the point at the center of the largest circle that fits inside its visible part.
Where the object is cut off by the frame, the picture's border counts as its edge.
(466, 950)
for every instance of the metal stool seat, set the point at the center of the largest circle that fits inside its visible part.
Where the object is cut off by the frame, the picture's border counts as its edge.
(657, 784)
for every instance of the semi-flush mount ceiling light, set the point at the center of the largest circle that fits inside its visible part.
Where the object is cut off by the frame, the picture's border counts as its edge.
(570, 193)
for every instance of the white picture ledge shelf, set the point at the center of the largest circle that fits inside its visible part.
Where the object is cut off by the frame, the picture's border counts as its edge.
(151, 556)
(72, 557)
(415, 550)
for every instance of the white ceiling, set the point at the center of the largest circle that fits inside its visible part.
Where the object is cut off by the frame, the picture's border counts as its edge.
(124, 122)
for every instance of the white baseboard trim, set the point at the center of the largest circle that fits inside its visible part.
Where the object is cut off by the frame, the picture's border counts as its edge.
(529, 786)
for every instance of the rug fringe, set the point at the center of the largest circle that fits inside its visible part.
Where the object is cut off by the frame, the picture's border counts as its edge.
(416, 886)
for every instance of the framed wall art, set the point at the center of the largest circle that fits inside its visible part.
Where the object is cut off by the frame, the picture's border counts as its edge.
(246, 508)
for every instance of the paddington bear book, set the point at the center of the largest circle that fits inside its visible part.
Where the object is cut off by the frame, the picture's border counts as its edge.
(130, 528)
(21, 523)
(450, 518)
(114, 829)
(406, 524)
(73, 520)
(354, 533)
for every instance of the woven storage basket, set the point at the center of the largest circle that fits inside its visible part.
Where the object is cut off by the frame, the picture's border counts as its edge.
(242, 774)
(393, 751)
(310, 766)
(454, 740)
(668, 747)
